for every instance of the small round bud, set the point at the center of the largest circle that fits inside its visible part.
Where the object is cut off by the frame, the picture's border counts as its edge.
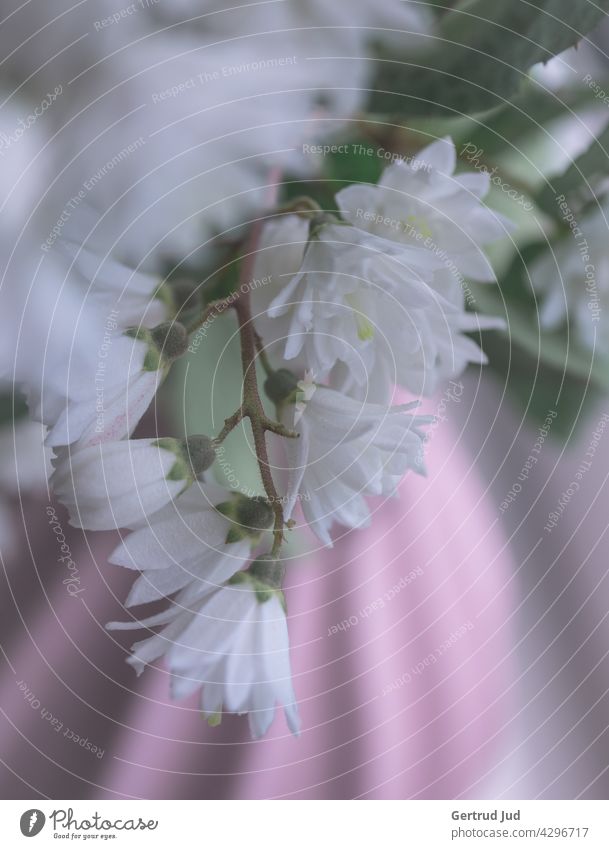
(280, 385)
(171, 338)
(254, 514)
(199, 452)
(268, 570)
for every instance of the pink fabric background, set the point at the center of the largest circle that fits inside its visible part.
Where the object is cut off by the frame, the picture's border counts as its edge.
(434, 737)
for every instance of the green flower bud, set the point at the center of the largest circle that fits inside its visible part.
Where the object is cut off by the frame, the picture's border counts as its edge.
(264, 592)
(248, 516)
(166, 343)
(171, 339)
(268, 570)
(194, 456)
(200, 453)
(254, 514)
(280, 385)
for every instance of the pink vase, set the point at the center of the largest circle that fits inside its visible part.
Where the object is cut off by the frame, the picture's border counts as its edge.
(401, 648)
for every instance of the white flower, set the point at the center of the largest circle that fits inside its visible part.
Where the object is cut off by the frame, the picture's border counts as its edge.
(377, 307)
(42, 35)
(235, 644)
(119, 484)
(320, 39)
(201, 127)
(349, 23)
(112, 288)
(348, 450)
(440, 350)
(279, 257)
(87, 374)
(423, 202)
(188, 544)
(305, 389)
(573, 282)
(106, 401)
(23, 137)
(184, 124)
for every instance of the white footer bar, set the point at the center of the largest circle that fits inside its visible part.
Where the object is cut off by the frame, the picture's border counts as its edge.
(307, 824)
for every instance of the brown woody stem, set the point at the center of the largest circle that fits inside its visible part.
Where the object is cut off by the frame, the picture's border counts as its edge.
(210, 312)
(251, 405)
(252, 409)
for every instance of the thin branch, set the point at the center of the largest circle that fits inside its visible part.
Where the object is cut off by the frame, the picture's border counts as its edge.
(211, 312)
(252, 408)
(279, 429)
(229, 425)
(303, 206)
(264, 360)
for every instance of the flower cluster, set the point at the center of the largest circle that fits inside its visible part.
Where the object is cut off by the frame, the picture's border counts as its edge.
(353, 306)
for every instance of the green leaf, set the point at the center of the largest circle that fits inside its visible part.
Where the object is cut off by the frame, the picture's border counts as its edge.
(12, 408)
(180, 470)
(534, 388)
(506, 128)
(481, 53)
(235, 534)
(223, 282)
(515, 301)
(359, 160)
(580, 181)
(541, 369)
(152, 358)
(226, 508)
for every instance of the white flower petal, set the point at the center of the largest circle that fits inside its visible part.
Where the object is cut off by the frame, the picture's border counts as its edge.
(115, 484)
